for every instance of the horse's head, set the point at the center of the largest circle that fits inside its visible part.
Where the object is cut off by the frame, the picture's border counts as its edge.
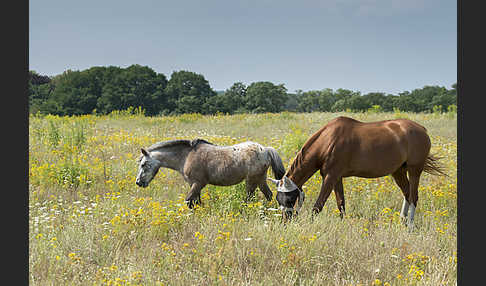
(147, 169)
(287, 194)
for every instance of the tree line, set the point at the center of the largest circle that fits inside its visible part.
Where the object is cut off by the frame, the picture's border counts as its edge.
(102, 90)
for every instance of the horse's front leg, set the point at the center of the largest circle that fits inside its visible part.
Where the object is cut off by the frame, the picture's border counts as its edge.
(326, 188)
(194, 195)
(266, 190)
(250, 189)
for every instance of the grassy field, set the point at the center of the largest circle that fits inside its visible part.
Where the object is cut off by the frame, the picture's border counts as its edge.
(89, 224)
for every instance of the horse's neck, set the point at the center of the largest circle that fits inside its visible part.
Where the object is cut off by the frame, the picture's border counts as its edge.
(301, 170)
(301, 176)
(172, 159)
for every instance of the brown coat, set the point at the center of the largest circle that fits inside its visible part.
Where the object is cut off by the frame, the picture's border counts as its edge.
(346, 147)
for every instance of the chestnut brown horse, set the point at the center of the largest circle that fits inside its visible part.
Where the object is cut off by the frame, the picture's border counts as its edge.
(346, 147)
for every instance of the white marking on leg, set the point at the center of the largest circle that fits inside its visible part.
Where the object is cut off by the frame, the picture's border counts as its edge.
(404, 211)
(412, 213)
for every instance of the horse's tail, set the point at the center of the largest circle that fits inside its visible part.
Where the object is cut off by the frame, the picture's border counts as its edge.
(433, 167)
(276, 162)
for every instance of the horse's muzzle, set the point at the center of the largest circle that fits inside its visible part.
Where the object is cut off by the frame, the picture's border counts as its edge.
(140, 184)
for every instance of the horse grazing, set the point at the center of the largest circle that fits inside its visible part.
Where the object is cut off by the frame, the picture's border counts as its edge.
(201, 162)
(346, 147)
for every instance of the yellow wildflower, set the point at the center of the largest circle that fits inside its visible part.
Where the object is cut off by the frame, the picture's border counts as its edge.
(376, 282)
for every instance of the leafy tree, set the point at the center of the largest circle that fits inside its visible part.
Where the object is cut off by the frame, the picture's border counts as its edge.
(309, 101)
(264, 96)
(357, 103)
(340, 105)
(343, 99)
(454, 87)
(316, 100)
(326, 100)
(111, 95)
(218, 103)
(389, 102)
(235, 96)
(37, 79)
(423, 97)
(229, 101)
(405, 102)
(39, 89)
(73, 95)
(188, 92)
(38, 95)
(345, 94)
(444, 100)
(374, 98)
(113, 88)
(135, 86)
(292, 103)
(106, 89)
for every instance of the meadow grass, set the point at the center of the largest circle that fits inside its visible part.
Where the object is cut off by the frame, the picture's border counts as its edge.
(90, 224)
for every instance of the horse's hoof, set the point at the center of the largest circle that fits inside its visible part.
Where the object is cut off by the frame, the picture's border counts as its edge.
(189, 204)
(411, 227)
(404, 220)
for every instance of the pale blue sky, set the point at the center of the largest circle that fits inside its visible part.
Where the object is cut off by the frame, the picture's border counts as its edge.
(363, 45)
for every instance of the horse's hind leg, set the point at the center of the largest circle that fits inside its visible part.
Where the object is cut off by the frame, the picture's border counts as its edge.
(400, 177)
(339, 192)
(414, 178)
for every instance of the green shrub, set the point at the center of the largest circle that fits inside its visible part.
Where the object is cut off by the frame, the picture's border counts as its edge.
(437, 109)
(189, 117)
(53, 134)
(375, 109)
(69, 174)
(399, 114)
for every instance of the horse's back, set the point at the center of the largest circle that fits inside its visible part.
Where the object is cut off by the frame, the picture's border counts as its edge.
(228, 165)
(252, 155)
(373, 149)
(418, 141)
(394, 132)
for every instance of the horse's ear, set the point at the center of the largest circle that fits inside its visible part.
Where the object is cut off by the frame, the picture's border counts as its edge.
(144, 152)
(287, 180)
(273, 181)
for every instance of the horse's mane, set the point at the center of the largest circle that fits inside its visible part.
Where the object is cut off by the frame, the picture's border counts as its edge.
(299, 158)
(177, 142)
(197, 141)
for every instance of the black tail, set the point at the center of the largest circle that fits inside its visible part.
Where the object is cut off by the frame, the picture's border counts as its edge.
(433, 167)
(276, 162)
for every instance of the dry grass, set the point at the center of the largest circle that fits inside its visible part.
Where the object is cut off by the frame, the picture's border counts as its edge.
(90, 224)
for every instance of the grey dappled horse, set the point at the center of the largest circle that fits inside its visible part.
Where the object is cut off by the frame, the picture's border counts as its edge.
(201, 163)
